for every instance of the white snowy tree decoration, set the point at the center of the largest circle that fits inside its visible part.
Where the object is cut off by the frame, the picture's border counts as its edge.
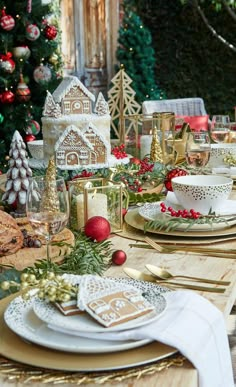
(18, 174)
(51, 108)
(101, 107)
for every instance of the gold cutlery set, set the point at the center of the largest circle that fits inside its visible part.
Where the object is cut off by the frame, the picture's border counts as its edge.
(182, 249)
(163, 277)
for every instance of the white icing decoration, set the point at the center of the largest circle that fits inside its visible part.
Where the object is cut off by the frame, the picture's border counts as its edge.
(93, 291)
(101, 107)
(65, 86)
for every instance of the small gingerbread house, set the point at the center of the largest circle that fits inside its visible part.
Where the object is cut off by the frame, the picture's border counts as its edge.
(73, 97)
(76, 148)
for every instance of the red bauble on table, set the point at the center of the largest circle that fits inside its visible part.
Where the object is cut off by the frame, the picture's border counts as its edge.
(50, 32)
(7, 97)
(29, 137)
(119, 257)
(171, 174)
(97, 228)
(6, 21)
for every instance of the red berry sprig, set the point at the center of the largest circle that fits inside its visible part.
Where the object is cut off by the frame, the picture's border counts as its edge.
(145, 167)
(119, 151)
(191, 214)
(83, 174)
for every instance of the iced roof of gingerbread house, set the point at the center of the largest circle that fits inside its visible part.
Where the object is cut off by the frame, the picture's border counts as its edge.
(72, 132)
(65, 86)
(92, 128)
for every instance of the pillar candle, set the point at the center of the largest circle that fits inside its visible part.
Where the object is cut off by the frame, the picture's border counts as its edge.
(145, 145)
(97, 206)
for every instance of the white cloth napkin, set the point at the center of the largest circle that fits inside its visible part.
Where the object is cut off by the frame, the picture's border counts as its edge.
(195, 327)
(228, 207)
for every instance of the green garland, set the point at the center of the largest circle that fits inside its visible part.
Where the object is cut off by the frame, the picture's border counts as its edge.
(86, 257)
(173, 223)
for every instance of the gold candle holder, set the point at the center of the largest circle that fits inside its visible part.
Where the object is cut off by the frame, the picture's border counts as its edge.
(96, 197)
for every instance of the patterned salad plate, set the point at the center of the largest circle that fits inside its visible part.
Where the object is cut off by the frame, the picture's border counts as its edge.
(152, 212)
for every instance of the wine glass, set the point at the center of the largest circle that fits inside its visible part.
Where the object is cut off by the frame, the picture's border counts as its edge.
(198, 149)
(47, 207)
(220, 128)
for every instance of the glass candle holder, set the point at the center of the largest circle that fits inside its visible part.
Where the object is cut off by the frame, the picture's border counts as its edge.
(163, 125)
(76, 193)
(105, 201)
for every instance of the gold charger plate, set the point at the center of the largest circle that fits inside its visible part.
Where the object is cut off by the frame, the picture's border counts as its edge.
(133, 219)
(14, 348)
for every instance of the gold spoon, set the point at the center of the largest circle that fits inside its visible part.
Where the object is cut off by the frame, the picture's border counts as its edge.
(163, 274)
(138, 275)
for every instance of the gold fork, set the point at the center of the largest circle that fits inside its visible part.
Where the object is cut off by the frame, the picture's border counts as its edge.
(204, 251)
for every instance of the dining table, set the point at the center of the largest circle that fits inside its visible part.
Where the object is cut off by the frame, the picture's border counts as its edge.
(171, 371)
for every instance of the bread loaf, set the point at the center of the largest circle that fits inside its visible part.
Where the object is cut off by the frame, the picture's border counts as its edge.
(11, 238)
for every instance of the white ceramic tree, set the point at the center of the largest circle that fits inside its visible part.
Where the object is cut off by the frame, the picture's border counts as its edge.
(18, 175)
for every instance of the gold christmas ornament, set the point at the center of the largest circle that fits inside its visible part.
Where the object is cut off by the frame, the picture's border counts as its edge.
(50, 200)
(156, 151)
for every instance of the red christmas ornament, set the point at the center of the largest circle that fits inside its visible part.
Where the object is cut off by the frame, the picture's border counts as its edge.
(50, 32)
(6, 21)
(33, 127)
(6, 63)
(42, 74)
(97, 228)
(22, 92)
(135, 160)
(7, 97)
(32, 32)
(173, 173)
(119, 257)
(29, 137)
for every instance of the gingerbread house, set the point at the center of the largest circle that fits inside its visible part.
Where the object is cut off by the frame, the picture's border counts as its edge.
(73, 97)
(76, 148)
(71, 130)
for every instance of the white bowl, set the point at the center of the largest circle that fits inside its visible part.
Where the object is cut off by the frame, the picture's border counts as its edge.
(219, 153)
(36, 149)
(202, 193)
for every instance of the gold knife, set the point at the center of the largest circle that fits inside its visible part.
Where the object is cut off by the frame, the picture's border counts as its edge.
(138, 275)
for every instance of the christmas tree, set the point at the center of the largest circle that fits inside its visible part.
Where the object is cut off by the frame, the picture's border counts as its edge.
(30, 64)
(136, 54)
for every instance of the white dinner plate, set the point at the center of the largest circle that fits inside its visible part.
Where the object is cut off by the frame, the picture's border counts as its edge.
(152, 212)
(21, 319)
(48, 313)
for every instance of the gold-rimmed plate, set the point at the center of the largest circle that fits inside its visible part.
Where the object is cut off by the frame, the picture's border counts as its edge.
(152, 212)
(133, 219)
(14, 348)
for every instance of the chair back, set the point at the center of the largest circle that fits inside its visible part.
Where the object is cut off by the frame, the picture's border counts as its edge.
(180, 106)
